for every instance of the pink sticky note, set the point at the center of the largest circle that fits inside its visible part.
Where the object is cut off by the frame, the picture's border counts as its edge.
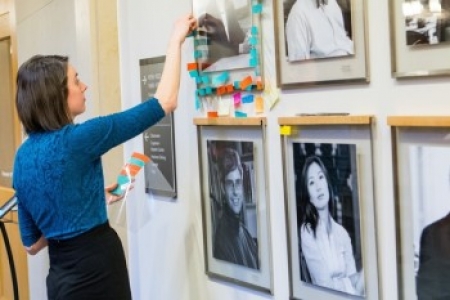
(237, 99)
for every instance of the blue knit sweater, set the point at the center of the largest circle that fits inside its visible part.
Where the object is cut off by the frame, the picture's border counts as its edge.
(58, 175)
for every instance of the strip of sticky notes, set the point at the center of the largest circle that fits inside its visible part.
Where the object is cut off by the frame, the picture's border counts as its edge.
(129, 172)
(227, 91)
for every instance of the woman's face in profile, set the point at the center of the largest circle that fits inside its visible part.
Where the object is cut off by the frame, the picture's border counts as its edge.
(317, 184)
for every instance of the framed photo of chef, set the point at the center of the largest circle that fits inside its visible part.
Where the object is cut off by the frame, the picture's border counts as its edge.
(421, 154)
(321, 42)
(235, 202)
(420, 31)
(330, 209)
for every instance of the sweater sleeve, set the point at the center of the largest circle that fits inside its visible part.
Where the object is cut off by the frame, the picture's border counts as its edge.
(98, 135)
(29, 232)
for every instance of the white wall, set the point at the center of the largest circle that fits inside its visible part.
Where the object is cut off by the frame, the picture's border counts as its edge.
(165, 237)
(166, 252)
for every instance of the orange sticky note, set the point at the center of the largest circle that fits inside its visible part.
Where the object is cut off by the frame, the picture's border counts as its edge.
(212, 114)
(229, 88)
(246, 82)
(221, 90)
(259, 85)
(192, 66)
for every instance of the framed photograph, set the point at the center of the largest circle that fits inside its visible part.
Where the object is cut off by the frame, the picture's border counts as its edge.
(330, 211)
(321, 42)
(235, 205)
(422, 175)
(420, 31)
(227, 46)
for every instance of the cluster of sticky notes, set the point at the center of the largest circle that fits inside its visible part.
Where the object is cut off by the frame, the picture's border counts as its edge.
(227, 92)
(129, 172)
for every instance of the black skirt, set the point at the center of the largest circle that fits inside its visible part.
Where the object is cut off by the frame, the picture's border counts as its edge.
(89, 266)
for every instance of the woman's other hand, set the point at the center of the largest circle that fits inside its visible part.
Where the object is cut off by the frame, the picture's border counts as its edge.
(111, 198)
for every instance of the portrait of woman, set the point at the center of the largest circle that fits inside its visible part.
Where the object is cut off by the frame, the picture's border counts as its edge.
(324, 205)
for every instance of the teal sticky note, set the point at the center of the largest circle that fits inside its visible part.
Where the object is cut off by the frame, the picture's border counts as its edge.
(253, 62)
(253, 41)
(221, 79)
(239, 114)
(197, 54)
(198, 104)
(254, 30)
(193, 73)
(205, 79)
(208, 90)
(136, 161)
(237, 85)
(247, 98)
(257, 8)
(201, 92)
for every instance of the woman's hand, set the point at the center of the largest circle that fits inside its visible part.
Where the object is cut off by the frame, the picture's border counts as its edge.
(183, 27)
(111, 198)
(38, 246)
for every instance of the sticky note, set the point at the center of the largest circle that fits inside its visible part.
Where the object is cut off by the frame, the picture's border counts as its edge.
(192, 66)
(193, 73)
(239, 114)
(208, 90)
(285, 130)
(253, 62)
(257, 8)
(229, 88)
(198, 103)
(221, 78)
(224, 107)
(253, 41)
(129, 171)
(220, 90)
(245, 82)
(198, 54)
(205, 79)
(259, 104)
(247, 99)
(254, 30)
(237, 99)
(212, 114)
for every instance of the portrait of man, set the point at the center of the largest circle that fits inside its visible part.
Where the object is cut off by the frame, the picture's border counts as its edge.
(328, 219)
(234, 235)
(224, 28)
(317, 29)
(430, 193)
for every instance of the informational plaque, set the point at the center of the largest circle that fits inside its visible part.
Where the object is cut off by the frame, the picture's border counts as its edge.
(159, 140)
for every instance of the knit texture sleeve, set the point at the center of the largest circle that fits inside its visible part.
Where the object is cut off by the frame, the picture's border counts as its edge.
(98, 135)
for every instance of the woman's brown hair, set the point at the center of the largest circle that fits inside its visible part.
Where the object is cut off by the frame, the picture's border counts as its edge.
(41, 98)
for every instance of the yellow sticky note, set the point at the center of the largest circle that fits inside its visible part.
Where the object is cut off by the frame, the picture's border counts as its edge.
(259, 104)
(285, 130)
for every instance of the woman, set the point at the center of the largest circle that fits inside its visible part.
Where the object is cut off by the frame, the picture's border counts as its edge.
(58, 173)
(325, 244)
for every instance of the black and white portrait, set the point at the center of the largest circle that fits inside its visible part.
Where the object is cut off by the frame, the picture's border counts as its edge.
(233, 203)
(317, 29)
(426, 21)
(430, 193)
(224, 31)
(328, 216)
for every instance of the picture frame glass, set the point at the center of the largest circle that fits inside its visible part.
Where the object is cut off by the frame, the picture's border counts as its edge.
(328, 216)
(235, 207)
(321, 42)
